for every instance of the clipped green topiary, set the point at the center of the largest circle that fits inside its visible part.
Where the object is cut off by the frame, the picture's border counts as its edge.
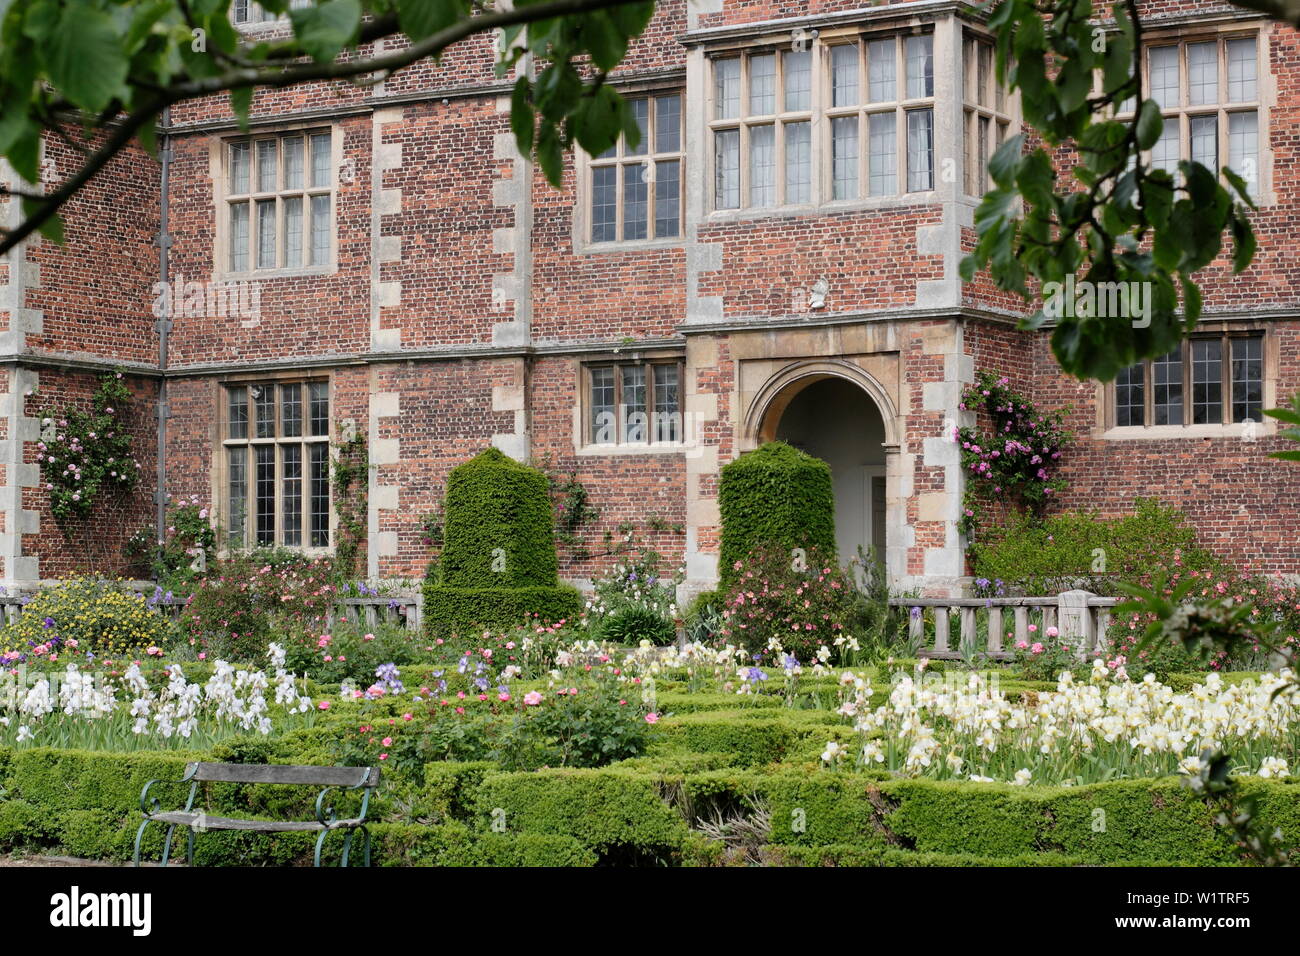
(498, 560)
(774, 497)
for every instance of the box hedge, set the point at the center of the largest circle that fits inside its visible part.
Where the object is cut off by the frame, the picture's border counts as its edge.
(498, 560)
(774, 497)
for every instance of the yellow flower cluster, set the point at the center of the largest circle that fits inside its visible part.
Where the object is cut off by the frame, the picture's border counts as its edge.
(81, 615)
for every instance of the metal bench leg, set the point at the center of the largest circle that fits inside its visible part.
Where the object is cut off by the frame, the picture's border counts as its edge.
(139, 836)
(320, 840)
(366, 834)
(167, 844)
(189, 847)
(347, 846)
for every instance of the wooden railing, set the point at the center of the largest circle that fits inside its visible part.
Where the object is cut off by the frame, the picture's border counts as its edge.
(960, 628)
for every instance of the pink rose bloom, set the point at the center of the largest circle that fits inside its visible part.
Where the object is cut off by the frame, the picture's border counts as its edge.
(328, 659)
(383, 756)
(1052, 632)
(532, 698)
(387, 741)
(1021, 646)
(368, 637)
(1033, 628)
(652, 718)
(324, 705)
(1037, 649)
(408, 717)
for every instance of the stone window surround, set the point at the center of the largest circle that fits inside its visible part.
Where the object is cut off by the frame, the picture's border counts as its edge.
(219, 470)
(1106, 428)
(582, 443)
(1266, 87)
(219, 172)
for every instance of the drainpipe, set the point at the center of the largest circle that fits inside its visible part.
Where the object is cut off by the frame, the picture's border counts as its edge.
(164, 326)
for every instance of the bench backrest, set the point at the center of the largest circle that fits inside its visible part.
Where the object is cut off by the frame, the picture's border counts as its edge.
(285, 774)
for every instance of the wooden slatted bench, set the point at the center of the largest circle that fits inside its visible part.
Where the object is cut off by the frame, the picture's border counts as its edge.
(343, 779)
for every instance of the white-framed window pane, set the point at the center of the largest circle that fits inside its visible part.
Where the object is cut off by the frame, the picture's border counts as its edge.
(320, 160)
(844, 157)
(882, 155)
(1163, 74)
(634, 407)
(762, 84)
(726, 166)
(293, 163)
(797, 68)
(236, 493)
(668, 123)
(1241, 70)
(636, 193)
(291, 410)
(667, 411)
(320, 229)
(1243, 147)
(1167, 388)
(882, 71)
(1203, 73)
(762, 166)
(920, 66)
(1164, 154)
(1205, 141)
(920, 150)
(239, 237)
(602, 406)
(726, 88)
(1247, 378)
(640, 110)
(266, 234)
(844, 75)
(293, 231)
(604, 203)
(266, 165)
(264, 494)
(291, 495)
(1207, 381)
(239, 168)
(320, 495)
(668, 190)
(798, 162)
(1130, 396)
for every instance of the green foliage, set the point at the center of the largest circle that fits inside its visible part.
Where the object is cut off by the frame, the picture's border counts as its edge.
(499, 530)
(350, 479)
(119, 65)
(463, 611)
(1016, 459)
(1119, 220)
(774, 497)
(803, 603)
(84, 616)
(237, 607)
(1083, 550)
(85, 452)
(1288, 416)
(351, 652)
(635, 601)
(189, 546)
(498, 561)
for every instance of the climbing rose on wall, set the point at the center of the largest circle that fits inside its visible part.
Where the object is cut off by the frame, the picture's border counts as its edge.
(84, 452)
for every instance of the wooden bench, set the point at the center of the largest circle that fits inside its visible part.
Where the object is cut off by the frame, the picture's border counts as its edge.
(363, 779)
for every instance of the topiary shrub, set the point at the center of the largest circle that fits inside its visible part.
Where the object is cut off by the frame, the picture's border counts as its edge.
(774, 497)
(498, 559)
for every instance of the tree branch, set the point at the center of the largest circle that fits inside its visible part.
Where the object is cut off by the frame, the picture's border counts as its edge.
(279, 76)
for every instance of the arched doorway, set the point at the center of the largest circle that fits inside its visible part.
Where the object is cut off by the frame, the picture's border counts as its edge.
(835, 420)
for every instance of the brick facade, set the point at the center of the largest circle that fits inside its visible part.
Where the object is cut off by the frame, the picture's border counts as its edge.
(462, 301)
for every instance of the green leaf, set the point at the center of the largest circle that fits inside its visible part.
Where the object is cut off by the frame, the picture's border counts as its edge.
(1243, 243)
(423, 18)
(85, 60)
(324, 30)
(1149, 124)
(241, 101)
(1192, 300)
(1003, 162)
(521, 116)
(550, 154)
(52, 228)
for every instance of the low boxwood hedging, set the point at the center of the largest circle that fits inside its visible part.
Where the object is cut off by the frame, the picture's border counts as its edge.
(708, 769)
